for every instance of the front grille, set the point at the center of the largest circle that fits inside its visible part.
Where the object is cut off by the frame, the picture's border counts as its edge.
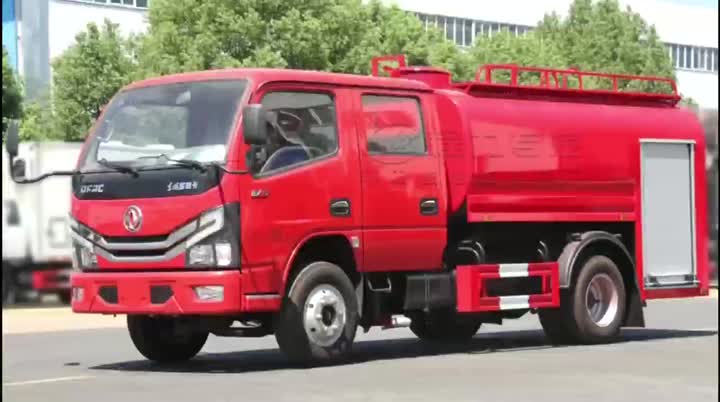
(140, 253)
(156, 248)
(134, 239)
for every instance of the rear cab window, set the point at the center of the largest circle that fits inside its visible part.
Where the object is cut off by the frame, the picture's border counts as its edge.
(393, 125)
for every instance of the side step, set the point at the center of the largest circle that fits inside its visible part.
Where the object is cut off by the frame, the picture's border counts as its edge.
(476, 293)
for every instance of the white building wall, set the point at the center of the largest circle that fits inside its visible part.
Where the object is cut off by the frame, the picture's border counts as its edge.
(68, 17)
(701, 87)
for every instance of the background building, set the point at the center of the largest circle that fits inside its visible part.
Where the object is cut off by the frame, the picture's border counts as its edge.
(36, 31)
(689, 32)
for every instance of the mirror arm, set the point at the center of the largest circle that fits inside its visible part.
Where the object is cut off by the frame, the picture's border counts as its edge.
(44, 176)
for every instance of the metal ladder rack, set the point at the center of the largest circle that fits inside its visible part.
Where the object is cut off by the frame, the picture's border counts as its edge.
(556, 82)
(553, 83)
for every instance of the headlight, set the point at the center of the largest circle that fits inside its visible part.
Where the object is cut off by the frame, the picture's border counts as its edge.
(201, 254)
(87, 258)
(216, 243)
(83, 255)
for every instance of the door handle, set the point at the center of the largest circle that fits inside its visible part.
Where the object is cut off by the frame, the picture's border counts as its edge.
(428, 206)
(340, 207)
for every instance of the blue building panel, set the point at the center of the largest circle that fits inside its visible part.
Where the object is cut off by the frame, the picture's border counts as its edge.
(9, 31)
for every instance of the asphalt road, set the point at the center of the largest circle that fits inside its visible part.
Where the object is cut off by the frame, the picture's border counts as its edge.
(674, 359)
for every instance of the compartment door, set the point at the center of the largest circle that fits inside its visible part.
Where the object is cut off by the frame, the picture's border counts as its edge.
(668, 214)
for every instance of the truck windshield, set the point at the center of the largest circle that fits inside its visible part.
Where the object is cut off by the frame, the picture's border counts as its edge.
(149, 126)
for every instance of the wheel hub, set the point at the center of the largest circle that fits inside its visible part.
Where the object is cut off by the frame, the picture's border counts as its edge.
(324, 315)
(601, 300)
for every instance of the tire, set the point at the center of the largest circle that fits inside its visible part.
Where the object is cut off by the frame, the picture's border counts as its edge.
(65, 297)
(314, 304)
(444, 326)
(9, 288)
(157, 339)
(580, 318)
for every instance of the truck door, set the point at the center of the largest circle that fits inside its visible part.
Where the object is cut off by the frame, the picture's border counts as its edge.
(304, 180)
(404, 207)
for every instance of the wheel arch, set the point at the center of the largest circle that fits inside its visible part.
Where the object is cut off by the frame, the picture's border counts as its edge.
(592, 243)
(333, 247)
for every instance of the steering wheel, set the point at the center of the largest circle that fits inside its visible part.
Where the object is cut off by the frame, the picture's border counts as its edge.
(286, 156)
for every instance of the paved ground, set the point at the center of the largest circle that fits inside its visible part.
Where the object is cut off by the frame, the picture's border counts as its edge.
(675, 359)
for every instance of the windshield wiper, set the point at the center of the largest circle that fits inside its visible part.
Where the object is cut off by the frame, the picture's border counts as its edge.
(203, 167)
(182, 162)
(119, 168)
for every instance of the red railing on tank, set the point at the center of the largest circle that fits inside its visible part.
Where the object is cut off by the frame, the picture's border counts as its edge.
(553, 78)
(553, 82)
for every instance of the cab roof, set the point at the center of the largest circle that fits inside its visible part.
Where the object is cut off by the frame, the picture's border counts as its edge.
(260, 76)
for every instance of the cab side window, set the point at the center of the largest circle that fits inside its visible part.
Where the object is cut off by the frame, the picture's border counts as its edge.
(301, 128)
(393, 125)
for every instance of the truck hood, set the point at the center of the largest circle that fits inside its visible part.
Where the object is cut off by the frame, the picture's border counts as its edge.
(158, 216)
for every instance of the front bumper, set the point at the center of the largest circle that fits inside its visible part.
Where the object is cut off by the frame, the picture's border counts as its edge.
(167, 293)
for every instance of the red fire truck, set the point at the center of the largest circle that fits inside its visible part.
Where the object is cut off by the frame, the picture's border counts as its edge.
(251, 202)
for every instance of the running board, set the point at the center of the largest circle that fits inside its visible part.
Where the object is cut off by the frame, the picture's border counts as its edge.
(473, 291)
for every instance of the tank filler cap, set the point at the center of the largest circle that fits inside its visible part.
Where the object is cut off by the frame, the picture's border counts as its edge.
(434, 77)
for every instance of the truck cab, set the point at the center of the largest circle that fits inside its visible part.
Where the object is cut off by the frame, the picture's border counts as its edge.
(175, 211)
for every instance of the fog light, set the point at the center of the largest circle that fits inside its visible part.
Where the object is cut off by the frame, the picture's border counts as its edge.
(201, 255)
(77, 294)
(223, 254)
(210, 293)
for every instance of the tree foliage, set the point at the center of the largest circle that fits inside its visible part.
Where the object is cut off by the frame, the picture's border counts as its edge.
(86, 76)
(11, 92)
(594, 36)
(327, 35)
(38, 122)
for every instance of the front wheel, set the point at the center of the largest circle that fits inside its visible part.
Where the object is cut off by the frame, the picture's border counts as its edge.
(65, 297)
(318, 319)
(160, 339)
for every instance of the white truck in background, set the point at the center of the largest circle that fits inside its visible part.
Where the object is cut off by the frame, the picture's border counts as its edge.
(37, 252)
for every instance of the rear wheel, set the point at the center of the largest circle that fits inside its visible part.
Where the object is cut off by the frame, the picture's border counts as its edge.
(319, 317)
(592, 310)
(441, 326)
(161, 339)
(6, 285)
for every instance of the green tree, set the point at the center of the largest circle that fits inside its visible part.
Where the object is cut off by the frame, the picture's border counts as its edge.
(11, 92)
(38, 122)
(327, 35)
(595, 36)
(87, 75)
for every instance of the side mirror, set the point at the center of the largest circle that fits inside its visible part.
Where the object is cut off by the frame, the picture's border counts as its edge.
(254, 124)
(12, 140)
(18, 169)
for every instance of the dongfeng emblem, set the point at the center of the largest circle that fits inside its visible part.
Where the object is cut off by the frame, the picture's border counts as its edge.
(133, 219)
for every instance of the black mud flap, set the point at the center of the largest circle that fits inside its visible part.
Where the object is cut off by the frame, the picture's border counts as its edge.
(634, 316)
